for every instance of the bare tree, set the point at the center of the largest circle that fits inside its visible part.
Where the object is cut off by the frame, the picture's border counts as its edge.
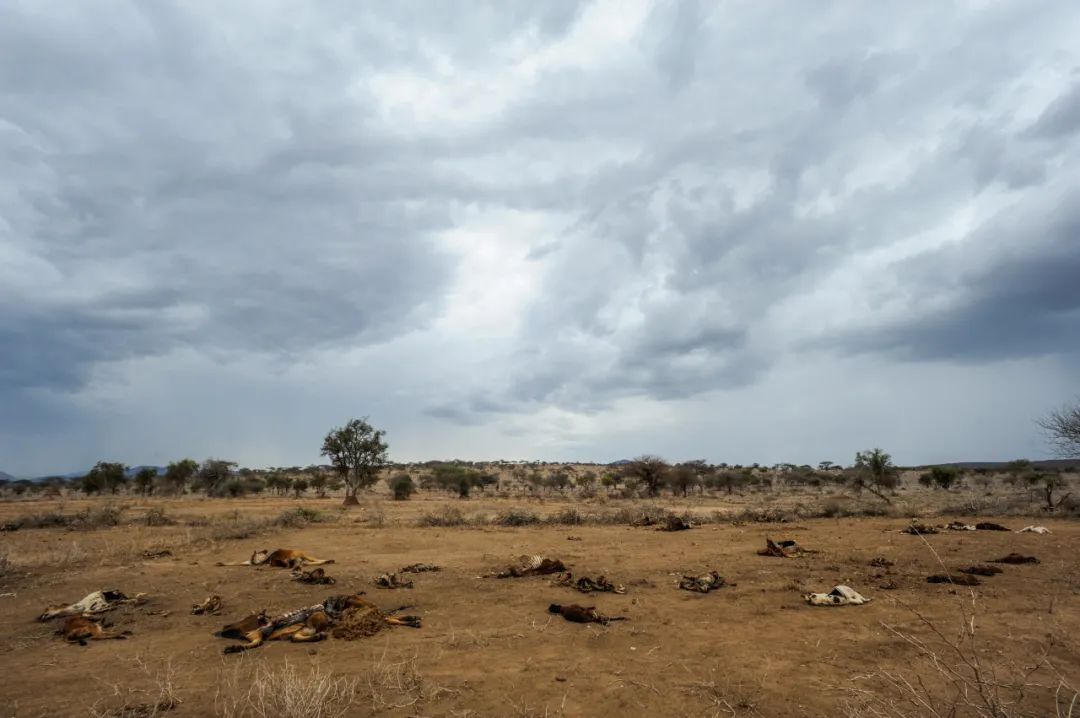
(1062, 429)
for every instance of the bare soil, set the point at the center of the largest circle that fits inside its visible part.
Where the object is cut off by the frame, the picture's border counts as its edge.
(489, 647)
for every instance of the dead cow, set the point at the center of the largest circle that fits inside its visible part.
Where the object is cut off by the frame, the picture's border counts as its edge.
(532, 566)
(955, 579)
(675, 523)
(588, 585)
(311, 623)
(316, 576)
(390, 580)
(839, 596)
(917, 528)
(92, 604)
(280, 558)
(981, 570)
(788, 548)
(80, 629)
(211, 606)
(583, 614)
(704, 583)
(990, 526)
(419, 568)
(1015, 558)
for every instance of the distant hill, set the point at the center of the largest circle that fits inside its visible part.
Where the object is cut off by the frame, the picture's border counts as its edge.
(5, 476)
(132, 470)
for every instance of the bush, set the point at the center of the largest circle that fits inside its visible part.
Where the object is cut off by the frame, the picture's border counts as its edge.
(834, 510)
(516, 517)
(157, 517)
(568, 516)
(233, 488)
(102, 517)
(447, 516)
(943, 477)
(299, 517)
(402, 487)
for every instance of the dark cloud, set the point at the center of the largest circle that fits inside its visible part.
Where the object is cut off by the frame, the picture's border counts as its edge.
(1061, 118)
(477, 218)
(1023, 300)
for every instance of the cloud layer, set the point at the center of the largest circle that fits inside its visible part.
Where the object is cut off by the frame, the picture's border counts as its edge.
(536, 230)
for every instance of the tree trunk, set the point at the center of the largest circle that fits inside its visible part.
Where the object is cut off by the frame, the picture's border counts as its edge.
(350, 500)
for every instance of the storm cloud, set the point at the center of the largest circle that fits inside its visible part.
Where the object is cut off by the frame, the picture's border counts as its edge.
(542, 230)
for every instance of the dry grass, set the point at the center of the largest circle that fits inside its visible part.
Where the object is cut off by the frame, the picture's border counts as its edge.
(960, 676)
(286, 692)
(394, 684)
(159, 699)
(727, 697)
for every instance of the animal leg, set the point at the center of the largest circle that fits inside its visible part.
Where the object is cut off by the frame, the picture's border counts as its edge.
(311, 560)
(110, 635)
(410, 621)
(254, 638)
(285, 632)
(307, 634)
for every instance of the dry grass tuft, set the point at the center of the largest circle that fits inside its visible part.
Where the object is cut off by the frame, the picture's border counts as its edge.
(158, 700)
(397, 684)
(285, 692)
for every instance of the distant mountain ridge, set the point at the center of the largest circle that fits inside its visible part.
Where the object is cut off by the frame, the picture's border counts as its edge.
(131, 471)
(5, 476)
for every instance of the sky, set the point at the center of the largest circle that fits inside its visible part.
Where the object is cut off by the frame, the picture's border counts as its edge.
(735, 231)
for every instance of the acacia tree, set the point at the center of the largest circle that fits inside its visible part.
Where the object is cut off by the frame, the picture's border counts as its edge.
(144, 480)
(178, 473)
(214, 476)
(682, 478)
(106, 475)
(649, 470)
(874, 471)
(357, 452)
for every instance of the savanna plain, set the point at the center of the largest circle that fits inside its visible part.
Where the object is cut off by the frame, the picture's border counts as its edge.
(490, 647)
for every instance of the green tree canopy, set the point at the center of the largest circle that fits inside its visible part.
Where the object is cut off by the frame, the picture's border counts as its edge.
(358, 453)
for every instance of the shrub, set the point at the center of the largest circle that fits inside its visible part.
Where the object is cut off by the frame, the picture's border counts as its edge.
(102, 517)
(402, 487)
(157, 517)
(233, 488)
(447, 516)
(568, 516)
(943, 477)
(516, 517)
(299, 517)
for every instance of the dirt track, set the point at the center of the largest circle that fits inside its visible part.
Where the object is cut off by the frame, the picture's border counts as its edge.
(489, 648)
